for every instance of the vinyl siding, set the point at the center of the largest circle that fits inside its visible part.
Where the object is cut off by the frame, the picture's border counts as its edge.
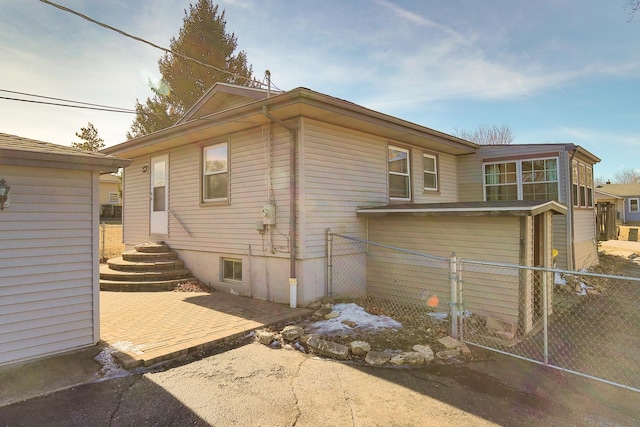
(216, 227)
(487, 290)
(47, 263)
(343, 170)
(585, 245)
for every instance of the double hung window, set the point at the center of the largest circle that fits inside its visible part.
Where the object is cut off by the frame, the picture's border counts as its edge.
(215, 173)
(582, 184)
(430, 168)
(399, 173)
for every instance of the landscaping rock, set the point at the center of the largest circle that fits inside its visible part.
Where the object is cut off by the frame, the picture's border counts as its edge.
(328, 348)
(408, 358)
(360, 348)
(377, 358)
(332, 315)
(291, 333)
(349, 323)
(448, 354)
(426, 351)
(265, 337)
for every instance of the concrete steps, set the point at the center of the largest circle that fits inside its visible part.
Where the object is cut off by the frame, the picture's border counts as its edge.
(149, 267)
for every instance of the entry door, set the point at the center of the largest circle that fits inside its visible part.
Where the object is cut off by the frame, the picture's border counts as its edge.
(159, 215)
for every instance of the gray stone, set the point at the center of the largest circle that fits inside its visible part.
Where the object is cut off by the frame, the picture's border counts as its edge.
(448, 354)
(332, 315)
(450, 342)
(328, 348)
(426, 351)
(265, 337)
(360, 348)
(377, 358)
(291, 333)
(408, 358)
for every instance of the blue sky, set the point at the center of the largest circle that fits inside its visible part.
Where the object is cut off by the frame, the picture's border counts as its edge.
(552, 70)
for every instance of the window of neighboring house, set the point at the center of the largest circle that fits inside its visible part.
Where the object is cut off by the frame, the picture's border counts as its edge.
(114, 198)
(215, 180)
(521, 180)
(634, 205)
(582, 184)
(232, 270)
(430, 167)
(399, 173)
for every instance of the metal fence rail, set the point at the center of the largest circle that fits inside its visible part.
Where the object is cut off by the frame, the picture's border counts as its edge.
(586, 323)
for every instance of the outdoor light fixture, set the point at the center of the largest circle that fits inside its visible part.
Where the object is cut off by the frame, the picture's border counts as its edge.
(4, 193)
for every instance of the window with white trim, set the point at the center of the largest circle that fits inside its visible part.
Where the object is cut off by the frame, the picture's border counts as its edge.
(634, 205)
(430, 171)
(232, 270)
(215, 173)
(399, 173)
(535, 179)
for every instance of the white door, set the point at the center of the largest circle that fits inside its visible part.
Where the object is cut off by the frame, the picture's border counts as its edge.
(159, 214)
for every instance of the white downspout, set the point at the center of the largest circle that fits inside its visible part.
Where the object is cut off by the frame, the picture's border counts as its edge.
(293, 280)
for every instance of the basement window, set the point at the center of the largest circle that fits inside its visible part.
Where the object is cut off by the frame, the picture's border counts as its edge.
(232, 270)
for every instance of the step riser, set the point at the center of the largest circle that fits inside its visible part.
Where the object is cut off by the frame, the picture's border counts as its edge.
(145, 257)
(146, 276)
(140, 267)
(141, 287)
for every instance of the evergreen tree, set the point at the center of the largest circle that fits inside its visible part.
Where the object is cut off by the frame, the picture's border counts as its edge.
(90, 139)
(202, 37)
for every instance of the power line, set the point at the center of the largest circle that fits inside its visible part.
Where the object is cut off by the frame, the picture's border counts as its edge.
(112, 110)
(124, 110)
(164, 49)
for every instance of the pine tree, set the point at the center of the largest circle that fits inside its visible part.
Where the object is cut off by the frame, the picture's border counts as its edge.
(90, 139)
(202, 37)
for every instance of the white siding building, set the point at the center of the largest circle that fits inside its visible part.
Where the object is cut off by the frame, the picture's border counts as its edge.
(49, 248)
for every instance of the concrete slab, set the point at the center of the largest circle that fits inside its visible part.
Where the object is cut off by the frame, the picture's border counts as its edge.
(47, 375)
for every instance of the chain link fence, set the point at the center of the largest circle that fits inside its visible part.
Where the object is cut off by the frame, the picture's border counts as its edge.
(586, 323)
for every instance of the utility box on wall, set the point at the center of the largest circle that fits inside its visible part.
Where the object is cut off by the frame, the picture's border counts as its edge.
(268, 214)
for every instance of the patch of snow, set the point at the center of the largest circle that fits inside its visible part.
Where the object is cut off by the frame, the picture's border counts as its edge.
(354, 313)
(439, 316)
(559, 280)
(584, 289)
(110, 368)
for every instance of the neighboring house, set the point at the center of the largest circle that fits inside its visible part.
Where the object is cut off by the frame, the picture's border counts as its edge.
(110, 200)
(245, 186)
(49, 276)
(629, 207)
(609, 211)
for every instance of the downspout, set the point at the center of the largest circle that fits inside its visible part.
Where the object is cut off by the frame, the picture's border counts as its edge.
(570, 247)
(293, 280)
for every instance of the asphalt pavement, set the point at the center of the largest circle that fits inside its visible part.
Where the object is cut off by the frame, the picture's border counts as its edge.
(253, 385)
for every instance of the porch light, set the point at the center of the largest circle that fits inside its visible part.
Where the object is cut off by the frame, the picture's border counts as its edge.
(4, 193)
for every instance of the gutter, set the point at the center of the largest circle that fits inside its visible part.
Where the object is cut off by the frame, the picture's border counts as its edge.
(293, 280)
(570, 246)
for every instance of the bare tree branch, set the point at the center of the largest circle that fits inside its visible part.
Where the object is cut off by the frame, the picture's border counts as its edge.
(485, 135)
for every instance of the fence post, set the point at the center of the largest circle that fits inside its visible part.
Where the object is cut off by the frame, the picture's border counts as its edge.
(329, 263)
(460, 301)
(545, 316)
(104, 227)
(453, 303)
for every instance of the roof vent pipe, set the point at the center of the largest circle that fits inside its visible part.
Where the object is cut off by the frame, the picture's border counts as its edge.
(267, 75)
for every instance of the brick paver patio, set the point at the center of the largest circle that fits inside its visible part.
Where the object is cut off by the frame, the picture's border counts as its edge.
(150, 327)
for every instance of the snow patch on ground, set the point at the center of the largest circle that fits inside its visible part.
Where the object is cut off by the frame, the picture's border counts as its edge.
(356, 314)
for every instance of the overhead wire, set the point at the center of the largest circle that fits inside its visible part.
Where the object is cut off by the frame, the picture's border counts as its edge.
(105, 107)
(113, 110)
(164, 49)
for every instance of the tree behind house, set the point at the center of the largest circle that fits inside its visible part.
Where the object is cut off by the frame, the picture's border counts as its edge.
(202, 37)
(485, 135)
(90, 139)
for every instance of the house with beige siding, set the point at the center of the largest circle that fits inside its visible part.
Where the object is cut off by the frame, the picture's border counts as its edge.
(110, 200)
(245, 186)
(49, 275)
